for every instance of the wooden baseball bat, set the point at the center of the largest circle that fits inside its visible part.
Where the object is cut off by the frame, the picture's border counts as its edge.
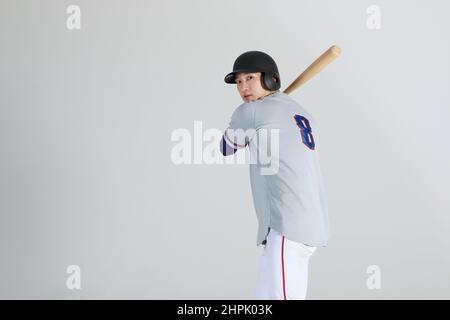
(314, 68)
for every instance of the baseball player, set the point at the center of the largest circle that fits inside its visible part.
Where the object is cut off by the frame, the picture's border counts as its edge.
(290, 204)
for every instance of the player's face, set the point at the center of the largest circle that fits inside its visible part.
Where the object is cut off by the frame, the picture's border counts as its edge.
(249, 86)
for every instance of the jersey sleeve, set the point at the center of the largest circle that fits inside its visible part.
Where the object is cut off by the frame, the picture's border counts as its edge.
(241, 129)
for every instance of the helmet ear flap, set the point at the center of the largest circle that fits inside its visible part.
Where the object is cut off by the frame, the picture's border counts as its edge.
(269, 83)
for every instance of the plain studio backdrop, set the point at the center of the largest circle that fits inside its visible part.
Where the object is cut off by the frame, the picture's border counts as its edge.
(87, 176)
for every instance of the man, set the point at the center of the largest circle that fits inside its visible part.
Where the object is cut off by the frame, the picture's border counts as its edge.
(289, 200)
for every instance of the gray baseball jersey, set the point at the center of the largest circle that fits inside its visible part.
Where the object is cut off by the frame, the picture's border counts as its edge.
(291, 198)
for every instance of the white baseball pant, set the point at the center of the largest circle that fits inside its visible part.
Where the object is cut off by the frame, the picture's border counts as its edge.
(283, 269)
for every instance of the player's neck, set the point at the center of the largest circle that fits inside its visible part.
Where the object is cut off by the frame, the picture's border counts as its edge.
(268, 95)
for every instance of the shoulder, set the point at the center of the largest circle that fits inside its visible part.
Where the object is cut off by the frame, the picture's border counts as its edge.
(244, 109)
(277, 98)
(282, 104)
(276, 103)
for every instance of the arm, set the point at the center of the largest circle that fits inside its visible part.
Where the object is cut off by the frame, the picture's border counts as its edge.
(240, 130)
(227, 147)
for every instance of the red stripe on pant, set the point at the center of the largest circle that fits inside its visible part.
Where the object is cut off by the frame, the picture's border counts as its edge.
(282, 268)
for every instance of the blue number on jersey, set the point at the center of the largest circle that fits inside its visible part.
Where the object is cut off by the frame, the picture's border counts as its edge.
(305, 129)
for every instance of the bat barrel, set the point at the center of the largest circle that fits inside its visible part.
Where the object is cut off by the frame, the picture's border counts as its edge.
(332, 53)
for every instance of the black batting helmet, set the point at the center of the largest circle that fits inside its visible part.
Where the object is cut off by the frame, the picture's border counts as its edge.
(257, 61)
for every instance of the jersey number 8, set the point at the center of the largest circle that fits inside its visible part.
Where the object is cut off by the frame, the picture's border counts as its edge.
(305, 130)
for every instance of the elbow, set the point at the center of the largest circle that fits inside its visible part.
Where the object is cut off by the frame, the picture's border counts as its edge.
(225, 149)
